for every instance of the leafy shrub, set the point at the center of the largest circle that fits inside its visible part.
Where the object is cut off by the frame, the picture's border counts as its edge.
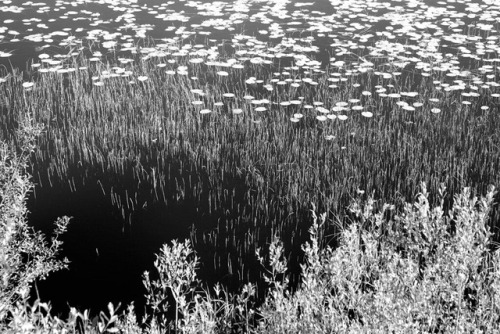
(196, 309)
(25, 255)
(421, 272)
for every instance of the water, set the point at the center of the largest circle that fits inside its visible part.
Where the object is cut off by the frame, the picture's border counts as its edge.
(107, 254)
(108, 249)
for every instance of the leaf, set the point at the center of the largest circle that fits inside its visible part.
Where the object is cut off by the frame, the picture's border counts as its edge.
(111, 309)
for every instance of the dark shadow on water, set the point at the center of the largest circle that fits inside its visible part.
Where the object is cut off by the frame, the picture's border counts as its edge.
(107, 255)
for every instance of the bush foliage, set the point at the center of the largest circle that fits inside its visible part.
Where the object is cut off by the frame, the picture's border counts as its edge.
(25, 255)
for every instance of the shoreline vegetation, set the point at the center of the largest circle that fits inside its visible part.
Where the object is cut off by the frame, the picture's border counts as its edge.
(418, 271)
(330, 174)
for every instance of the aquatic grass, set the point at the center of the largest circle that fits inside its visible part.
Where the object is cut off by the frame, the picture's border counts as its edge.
(254, 173)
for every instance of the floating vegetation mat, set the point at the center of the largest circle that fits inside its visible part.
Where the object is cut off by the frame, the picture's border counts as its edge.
(249, 111)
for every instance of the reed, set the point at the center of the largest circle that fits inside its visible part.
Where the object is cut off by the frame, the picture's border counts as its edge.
(134, 128)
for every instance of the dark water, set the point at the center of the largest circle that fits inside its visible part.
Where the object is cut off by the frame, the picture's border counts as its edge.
(108, 255)
(109, 250)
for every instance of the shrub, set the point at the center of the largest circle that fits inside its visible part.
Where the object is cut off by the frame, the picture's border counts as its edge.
(422, 272)
(25, 255)
(196, 309)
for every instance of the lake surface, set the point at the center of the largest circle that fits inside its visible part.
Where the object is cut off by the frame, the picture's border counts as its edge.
(407, 40)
